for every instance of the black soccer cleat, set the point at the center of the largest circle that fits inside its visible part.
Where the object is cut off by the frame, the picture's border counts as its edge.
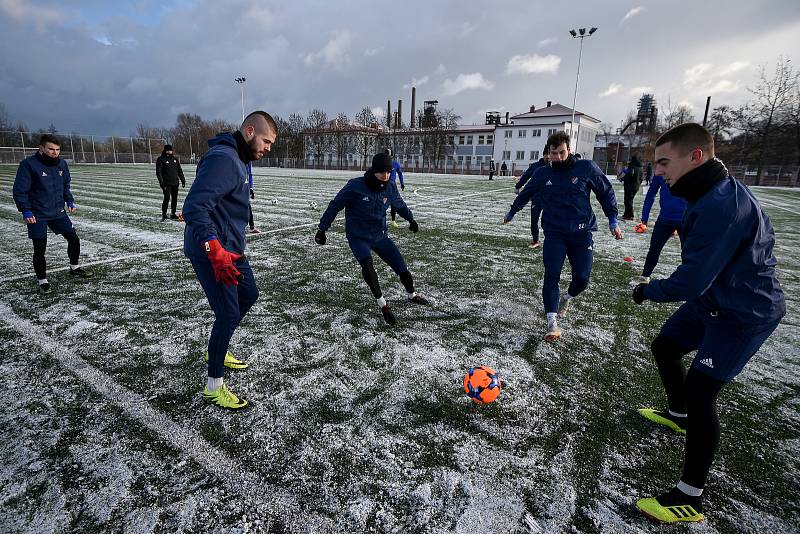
(418, 299)
(80, 272)
(44, 288)
(388, 316)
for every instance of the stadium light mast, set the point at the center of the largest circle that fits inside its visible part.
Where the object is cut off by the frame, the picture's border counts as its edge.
(241, 81)
(580, 34)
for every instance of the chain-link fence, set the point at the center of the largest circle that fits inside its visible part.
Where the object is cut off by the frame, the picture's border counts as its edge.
(75, 148)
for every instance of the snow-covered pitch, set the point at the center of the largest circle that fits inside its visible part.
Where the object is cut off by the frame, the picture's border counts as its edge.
(357, 426)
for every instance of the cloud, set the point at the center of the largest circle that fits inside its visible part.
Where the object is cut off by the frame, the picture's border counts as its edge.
(546, 42)
(685, 104)
(733, 67)
(723, 86)
(612, 90)
(23, 10)
(371, 52)
(335, 52)
(416, 82)
(467, 28)
(535, 64)
(440, 70)
(632, 13)
(642, 89)
(693, 74)
(379, 112)
(464, 82)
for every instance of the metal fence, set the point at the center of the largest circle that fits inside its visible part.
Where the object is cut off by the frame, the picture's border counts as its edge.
(409, 165)
(16, 146)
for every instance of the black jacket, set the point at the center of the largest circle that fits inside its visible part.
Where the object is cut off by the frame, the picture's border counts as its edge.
(168, 171)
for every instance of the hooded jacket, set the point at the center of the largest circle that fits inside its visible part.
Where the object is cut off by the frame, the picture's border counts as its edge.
(365, 209)
(168, 171)
(42, 187)
(218, 203)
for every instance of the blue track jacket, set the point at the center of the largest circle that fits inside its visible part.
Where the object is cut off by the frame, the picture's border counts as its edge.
(529, 173)
(397, 172)
(364, 209)
(218, 202)
(42, 190)
(672, 207)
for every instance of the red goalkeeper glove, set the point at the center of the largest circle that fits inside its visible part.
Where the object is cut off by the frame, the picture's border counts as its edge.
(222, 262)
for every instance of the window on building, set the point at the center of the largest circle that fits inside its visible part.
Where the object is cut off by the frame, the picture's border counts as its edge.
(534, 155)
(522, 133)
(480, 139)
(469, 139)
(508, 133)
(506, 154)
(489, 139)
(460, 139)
(452, 139)
(551, 131)
(520, 154)
(536, 133)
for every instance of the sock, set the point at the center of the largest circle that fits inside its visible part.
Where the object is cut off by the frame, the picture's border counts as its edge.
(689, 490)
(551, 319)
(381, 302)
(412, 294)
(43, 281)
(566, 296)
(676, 414)
(73, 267)
(214, 384)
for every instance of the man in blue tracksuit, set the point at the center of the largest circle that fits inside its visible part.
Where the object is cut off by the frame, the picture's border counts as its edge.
(732, 303)
(216, 211)
(535, 210)
(562, 190)
(397, 173)
(41, 188)
(669, 221)
(365, 200)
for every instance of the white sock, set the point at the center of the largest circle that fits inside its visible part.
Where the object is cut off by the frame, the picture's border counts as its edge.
(43, 281)
(73, 267)
(676, 414)
(689, 490)
(566, 296)
(412, 294)
(551, 319)
(213, 384)
(381, 302)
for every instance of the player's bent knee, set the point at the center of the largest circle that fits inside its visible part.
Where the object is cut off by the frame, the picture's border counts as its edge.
(667, 349)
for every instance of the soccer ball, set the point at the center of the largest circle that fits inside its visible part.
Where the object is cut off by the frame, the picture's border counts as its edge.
(640, 228)
(275, 201)
(481, 384)
(312, 205)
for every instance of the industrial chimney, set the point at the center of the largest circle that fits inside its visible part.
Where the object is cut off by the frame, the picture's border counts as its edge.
(399, 114)
(507, 117)
(413, 106)
(533, 108)
(549, 103)
(388, 113)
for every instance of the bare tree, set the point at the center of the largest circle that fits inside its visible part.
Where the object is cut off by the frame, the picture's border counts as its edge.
(318, 137)
(342, 134)
(365, 139)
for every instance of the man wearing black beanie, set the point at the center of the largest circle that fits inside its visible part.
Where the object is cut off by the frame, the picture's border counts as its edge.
(169, 172)
(365, 200)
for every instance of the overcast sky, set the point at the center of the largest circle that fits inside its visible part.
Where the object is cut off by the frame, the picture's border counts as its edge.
(101, 67)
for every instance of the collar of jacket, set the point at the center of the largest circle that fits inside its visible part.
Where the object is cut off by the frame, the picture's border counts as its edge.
(563, 165)
(241, 147)
(47, 160)
(373, 183)
(697, 182)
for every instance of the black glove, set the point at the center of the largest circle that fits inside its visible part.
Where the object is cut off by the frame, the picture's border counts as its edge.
(320, 237)
(638, 294)
(413, 226)
(252, 194)
(402, 187)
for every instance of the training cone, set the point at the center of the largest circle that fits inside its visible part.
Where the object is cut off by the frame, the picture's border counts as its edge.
(627, 259)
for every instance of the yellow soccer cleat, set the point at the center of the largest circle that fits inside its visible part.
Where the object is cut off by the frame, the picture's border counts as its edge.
(663, 417)
(231, 362)
(223, 398)
(672, 507)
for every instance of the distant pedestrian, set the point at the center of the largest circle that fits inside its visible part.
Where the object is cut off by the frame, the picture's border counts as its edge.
(648, 173)
(503, 169)
(41, 188)
(169, 174)
(492, 169)
(632, 180)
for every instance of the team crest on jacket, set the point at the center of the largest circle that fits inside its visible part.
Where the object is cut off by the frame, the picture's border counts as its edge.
(574, 179)
(61, 173)
(385, 200)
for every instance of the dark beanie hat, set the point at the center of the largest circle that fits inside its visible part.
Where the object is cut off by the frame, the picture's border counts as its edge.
(382, 163)
(167, 147)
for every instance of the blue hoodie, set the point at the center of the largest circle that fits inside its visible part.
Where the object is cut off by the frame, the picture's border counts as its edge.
(563, 195)
(364, 209)
(41, 189)
(218, 202)
(397, 172)
(672, 207)
(727, 265)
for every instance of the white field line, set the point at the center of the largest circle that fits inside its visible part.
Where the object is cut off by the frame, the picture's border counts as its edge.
(775, 205)
(217, 462)
(251, 236)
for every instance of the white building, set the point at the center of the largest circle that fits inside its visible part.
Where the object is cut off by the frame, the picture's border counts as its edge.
(520, 142)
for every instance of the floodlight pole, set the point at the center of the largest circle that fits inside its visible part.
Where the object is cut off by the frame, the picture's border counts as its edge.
(581, 34)
(240, 80)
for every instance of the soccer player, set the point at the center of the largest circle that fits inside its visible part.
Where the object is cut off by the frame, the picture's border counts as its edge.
(41, 188)
(216, 212)
(562, 190)
(365, 200)
(492, 169)
(169, 173)
(732, 303)
(251, 221)
(397, 172)
(535, 210)
(668, 222)
(632, 181)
